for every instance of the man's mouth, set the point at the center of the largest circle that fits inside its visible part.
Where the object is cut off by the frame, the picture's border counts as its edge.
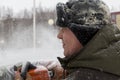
(63, 45)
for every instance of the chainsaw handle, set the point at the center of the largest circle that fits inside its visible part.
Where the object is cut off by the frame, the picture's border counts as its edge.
(25, 67)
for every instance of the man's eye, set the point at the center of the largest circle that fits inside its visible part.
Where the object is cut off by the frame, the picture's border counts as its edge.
(62, 30)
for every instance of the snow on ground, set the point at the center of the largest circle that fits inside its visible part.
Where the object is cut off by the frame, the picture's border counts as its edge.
(8, 57)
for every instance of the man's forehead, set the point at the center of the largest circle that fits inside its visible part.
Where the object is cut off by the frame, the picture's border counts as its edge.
(63, 28)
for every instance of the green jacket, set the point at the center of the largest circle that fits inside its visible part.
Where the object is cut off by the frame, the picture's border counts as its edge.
(101, 53)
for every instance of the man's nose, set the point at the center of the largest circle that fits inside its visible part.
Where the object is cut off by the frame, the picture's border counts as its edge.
(59, 35)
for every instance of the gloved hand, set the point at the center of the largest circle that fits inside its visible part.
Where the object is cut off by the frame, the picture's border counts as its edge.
(53, 66)
(58, 72)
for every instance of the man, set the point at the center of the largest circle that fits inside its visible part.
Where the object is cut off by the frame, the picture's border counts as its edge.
(94, 55)
(91, 43)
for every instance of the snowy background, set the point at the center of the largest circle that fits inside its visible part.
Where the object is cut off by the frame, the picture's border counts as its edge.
(18, 5)
(48, 46)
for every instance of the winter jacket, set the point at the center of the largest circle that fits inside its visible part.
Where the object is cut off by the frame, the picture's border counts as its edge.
(98, 60)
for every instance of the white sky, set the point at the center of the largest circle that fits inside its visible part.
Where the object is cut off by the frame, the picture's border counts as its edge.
(18, 5)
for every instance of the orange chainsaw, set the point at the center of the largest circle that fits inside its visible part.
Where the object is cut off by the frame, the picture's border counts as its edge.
(39, 74)
(31, 72)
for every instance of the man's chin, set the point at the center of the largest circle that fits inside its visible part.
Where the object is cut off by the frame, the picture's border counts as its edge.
(66, 53)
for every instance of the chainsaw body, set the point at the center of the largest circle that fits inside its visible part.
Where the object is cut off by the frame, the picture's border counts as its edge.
(39, 73)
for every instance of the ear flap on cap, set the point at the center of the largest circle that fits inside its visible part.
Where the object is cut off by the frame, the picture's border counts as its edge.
(83, 33)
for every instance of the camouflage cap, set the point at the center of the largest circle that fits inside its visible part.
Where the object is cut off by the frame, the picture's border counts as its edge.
(82, 12)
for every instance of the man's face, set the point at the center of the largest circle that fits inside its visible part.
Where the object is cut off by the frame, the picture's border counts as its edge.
(71, 44)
